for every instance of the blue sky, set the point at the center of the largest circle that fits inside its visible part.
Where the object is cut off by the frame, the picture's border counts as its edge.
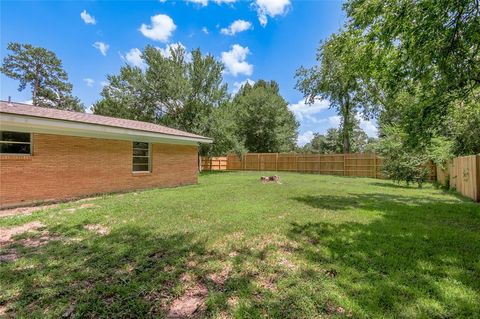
(256, 39)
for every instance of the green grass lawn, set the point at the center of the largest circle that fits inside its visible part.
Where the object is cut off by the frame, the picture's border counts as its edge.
(314, 246)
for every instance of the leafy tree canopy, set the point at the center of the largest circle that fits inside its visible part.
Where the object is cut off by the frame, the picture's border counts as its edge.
(420, 65)
(42, 71)
(264, 122)
(173, 90)
(337, 78)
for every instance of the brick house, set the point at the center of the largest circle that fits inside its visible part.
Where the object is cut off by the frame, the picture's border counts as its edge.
(48, 154)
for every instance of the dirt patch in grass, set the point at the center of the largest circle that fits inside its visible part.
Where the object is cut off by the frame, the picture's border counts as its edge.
(233, 302)
(337, 310)
(97, 228)
(287, 264)
(267, 281)
(219, 278)
(83, 206)
(69, 311)
(190, 304)
(38, 241)
(24, 210)
(88, 205)
(8, 256)
(6, 234)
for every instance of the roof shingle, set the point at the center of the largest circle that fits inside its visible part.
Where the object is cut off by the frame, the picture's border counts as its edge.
(35, 111)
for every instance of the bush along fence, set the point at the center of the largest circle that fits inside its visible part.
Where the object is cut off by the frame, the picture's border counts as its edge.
(463, 175)
(355, 165)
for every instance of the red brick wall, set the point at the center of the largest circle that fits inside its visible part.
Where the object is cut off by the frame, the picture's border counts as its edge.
(63, 167)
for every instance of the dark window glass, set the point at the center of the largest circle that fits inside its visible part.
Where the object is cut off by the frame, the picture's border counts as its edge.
(141, 157)
(140, 168)
(141, 145)
(14, 142)
(14, 137)
(140, 152)
(8, 148)
(140, 160)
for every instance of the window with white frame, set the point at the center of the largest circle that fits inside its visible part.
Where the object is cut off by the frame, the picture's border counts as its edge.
(141, 157)
(15, 143)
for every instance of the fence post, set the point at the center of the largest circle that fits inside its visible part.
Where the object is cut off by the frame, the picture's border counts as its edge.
(374, 165)
(276, 162)
(319, 163)
(478, 178)
(258, 159)
(344, 164)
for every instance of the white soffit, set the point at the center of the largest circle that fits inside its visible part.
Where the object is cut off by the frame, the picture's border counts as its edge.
(23, 123)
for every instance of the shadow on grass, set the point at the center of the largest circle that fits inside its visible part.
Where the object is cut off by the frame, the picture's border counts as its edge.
(390, 184)
(420, 258)
(127, 273)
(206, 173)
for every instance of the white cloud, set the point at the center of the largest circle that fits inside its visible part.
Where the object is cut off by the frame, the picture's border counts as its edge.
(161, 28)
(104, 83)
(270, 8)
(236, 27)
(368, 127)
(234, 61)
(238, 85)
(303, 111)
(89, 82)
(224, 1)
(102, 47)
(203, 3)
(134, 58)
(205, 30)
(304, 138)
(87, 18)
(29, 102)
(334, 121)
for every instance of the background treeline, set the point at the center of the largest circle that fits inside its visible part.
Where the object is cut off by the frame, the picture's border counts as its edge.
(412, 65)
(179, 89)
(187, 92)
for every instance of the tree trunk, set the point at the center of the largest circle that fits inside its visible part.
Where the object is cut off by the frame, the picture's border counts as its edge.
(346, 126)
(36, 85)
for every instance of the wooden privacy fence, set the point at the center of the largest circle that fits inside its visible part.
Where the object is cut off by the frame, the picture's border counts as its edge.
(462, 174)
(213, 163)
(358, 165)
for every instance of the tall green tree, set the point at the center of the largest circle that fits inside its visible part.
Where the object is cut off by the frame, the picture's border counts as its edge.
(264, 122)
(42, 71)
(464, 124)
(177, 90)
(422, 63)
(437, 41)
(336, 79)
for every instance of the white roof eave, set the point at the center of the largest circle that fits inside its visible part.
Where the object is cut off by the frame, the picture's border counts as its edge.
(32, 124)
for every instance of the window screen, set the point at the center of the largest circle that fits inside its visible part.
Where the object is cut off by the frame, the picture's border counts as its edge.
(15, 143)
(141, 157)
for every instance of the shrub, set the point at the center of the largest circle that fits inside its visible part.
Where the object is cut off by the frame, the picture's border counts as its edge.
(400, 163)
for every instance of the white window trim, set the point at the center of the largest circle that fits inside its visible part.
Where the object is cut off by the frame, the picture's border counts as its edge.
(149, 158)
(13, 142)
